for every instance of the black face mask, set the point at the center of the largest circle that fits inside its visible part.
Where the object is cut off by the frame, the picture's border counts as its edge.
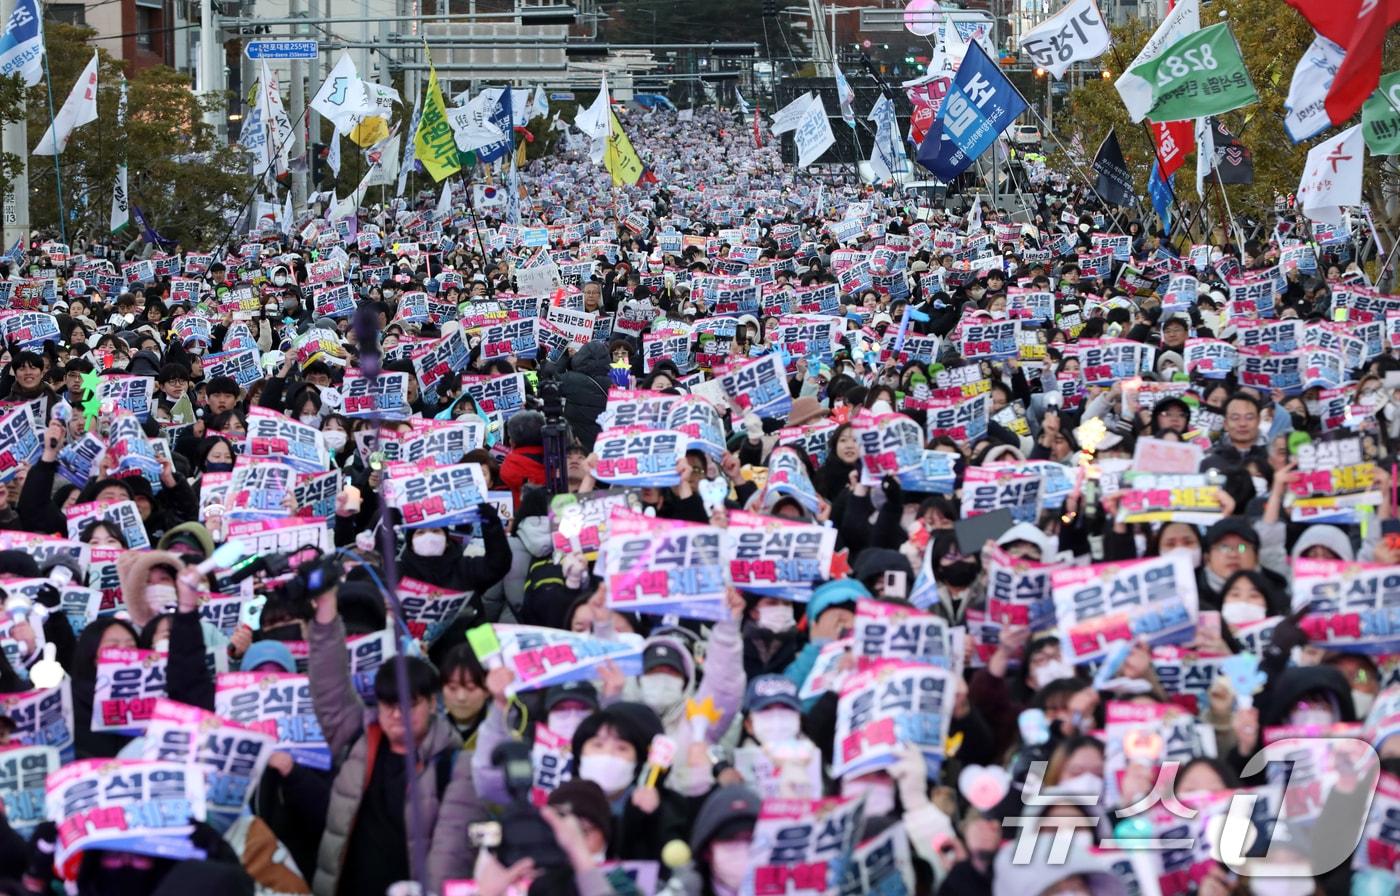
(218, 467)
(1391, 765)
(1300, 421)
(959, 574)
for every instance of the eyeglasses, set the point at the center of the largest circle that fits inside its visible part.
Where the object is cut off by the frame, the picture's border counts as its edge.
(1243, 547)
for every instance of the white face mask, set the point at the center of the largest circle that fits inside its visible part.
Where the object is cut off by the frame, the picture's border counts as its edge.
(1052, 671)
(662, 691)
(777, 618)
(429, 544)
(729, 862)
(879, 796)
(162, 646)
(612, 773)
(564, 722)
(1083, 785)
(334, 439)
(1238, 612)
(776, 726)
(160, 597)
(279, 280)
(1194, 554)
(309, 419)
(1361, 701)
(1282, 886)
(882, 407)
(1311, 717)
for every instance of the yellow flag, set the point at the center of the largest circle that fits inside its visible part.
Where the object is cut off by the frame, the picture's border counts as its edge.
(434, 143)
(620, 158)
(369, 131)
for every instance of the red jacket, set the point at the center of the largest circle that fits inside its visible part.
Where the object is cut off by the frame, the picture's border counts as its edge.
(522, 465)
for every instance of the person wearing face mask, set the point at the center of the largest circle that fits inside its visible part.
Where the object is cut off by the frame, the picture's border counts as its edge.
(670, 678)
(567, 705)
(830, 615)
(720, 841)
(1302, 696)
(957, 577)
(771, 639)
(430, 556)
(535, 591)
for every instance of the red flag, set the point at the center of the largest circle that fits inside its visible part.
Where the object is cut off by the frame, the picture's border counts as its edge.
(1359, 26)
(757, 135)
(1174, 141)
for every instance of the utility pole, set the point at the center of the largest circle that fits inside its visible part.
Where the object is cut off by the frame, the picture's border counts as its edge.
(313, 86)
(297, 112)
(211, 66)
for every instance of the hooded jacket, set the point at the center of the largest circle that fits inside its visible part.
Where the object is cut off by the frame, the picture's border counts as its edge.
(353, 745)
(584, 388)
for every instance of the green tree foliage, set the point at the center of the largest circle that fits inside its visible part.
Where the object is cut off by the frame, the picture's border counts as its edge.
(181, 178)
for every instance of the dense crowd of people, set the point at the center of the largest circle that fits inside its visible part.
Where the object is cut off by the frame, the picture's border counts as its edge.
(886, 539)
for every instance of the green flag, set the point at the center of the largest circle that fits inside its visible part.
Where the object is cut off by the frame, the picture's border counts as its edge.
(435, 145)
(1201, 74)
(1380, 118)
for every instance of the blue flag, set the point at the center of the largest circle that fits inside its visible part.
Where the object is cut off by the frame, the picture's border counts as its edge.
(501, 118)
(22, 44)
(1161, 195)
(981, 103)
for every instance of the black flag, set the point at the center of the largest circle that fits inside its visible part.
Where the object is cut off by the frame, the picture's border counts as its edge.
(1234, 163)
(1112, 181)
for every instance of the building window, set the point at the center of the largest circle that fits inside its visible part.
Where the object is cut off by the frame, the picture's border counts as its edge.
(68, 13)
(147, 24)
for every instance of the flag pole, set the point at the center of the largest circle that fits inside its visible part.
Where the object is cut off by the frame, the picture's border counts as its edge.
(57, 171)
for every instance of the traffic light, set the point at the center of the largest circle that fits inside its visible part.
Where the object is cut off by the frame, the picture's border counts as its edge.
(770, 9)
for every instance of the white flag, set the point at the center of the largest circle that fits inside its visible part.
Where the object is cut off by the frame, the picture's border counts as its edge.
(385, 155)
(1332, 177)
(539, 103)
(788, 117)
(744, 107)
(846, 97)
(1184, 19)
(341, 98)
(79, 109)
(345, 208)
(333, 154)
(813, 135)
(286, 221)
(1205, 154)
(1076, 33)
(1307, 94)
(595, 121)
(279, 125)
(470, 128)
(121, 209)
(444, 206)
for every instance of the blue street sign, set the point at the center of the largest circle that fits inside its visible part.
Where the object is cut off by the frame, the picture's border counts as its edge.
(281, 49)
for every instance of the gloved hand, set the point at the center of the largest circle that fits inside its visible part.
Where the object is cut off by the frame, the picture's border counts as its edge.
(753, 426)
(894, 492)
(910, 774)
(487, 513)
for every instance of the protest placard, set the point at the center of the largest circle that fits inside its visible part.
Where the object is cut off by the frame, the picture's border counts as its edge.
(890, 445)
(125, 515)
(1169, 497)
(888, 631)
(438, 497)
(272, 436)
(1096, 606)
(232, 756)
(124, 805)
(888, 704)
(803, 847)
(129, 681)
(278, 704)
(385, 395)
(517, 338)
(769, 555)
(990, 488)
(661, 566)
(541, 657)
(759, 386)
(638, 456)
(551, 757)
